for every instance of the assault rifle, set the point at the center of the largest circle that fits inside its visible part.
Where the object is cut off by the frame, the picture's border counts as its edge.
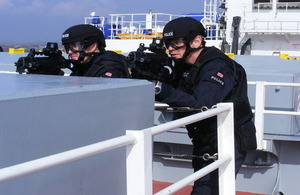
(51, 63)
(152, 63)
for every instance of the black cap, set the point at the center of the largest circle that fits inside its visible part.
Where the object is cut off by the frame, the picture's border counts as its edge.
(85, 33)
(186, 28)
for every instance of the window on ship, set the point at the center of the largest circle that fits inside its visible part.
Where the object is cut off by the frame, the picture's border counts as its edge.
(262, 4)
(288, 4)
(280, 4)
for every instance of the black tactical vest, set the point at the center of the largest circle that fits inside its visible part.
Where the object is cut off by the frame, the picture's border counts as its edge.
(205, 131)
(108, 58)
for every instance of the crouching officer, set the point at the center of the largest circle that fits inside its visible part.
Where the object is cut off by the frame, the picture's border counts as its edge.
(85, 45)
(204, 77)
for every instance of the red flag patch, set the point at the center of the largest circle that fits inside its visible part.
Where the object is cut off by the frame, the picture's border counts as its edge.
(220, 75)
(109, 74)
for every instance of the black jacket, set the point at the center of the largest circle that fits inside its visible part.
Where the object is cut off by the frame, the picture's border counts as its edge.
(107, 64)
(214, 78)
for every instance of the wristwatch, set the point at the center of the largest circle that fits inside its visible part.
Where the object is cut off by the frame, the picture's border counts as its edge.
(157, 88)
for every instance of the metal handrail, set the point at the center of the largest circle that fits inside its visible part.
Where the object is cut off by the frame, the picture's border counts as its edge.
(186, 120)
(271, 26)
(260, 110)
(139, 26)
(225, 161)
(191, 178)
(40, 164)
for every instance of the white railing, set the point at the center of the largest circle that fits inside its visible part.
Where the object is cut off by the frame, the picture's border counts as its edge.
(259, 26)
(225, 150)
(139, 155)
(150, 25)
(260, 108)
(40, 164)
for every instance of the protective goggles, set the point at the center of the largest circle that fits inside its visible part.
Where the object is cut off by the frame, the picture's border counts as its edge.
(74, 47)
(168, 44)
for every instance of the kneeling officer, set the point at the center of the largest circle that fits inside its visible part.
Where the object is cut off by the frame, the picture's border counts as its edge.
(85, 45)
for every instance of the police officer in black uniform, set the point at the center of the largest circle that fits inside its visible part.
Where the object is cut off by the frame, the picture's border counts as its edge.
(204, 77)
(85, 45)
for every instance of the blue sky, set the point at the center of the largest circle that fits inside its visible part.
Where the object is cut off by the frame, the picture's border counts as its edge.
(25, 21)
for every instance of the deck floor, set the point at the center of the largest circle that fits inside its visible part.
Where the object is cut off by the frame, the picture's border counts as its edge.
(158, 185)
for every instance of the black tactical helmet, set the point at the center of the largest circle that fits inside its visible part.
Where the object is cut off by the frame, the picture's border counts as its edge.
(186, 28)
(85, 34)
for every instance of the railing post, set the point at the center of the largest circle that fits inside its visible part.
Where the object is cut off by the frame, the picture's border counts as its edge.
(225, 147)
(139, 163)
(259, 113)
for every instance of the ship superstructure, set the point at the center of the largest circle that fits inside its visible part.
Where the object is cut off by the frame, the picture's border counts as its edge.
(270, 26)
(256, 27)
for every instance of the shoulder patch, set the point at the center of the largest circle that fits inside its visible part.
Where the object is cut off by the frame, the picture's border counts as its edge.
(218, 78)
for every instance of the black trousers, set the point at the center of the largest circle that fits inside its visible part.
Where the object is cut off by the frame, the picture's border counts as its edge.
(209, 184)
